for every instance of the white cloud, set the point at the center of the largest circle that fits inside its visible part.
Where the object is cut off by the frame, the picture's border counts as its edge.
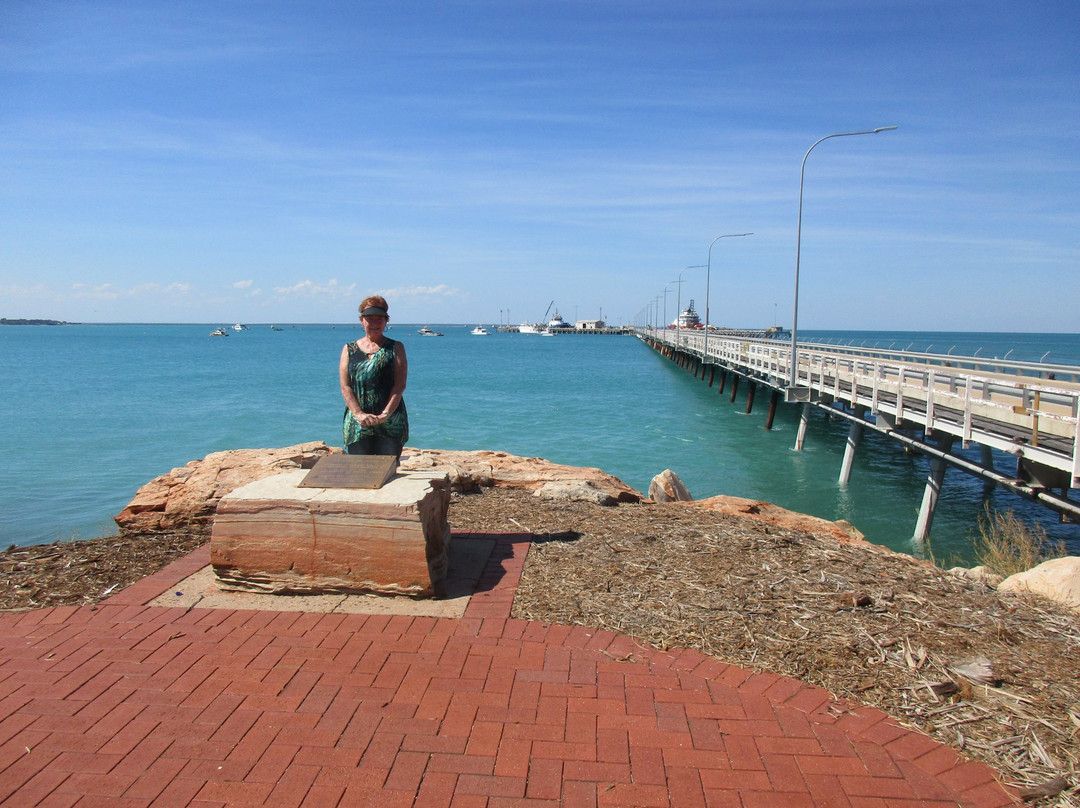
(242, 284)
(442, 290)
(312, 289)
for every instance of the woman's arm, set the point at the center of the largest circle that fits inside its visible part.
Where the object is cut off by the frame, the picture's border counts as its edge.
(401, 376)
(346, 385)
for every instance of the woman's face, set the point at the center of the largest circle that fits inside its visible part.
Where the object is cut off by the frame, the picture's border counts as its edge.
(374, 324)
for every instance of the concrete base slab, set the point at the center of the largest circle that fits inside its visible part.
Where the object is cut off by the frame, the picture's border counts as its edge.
(467, 558)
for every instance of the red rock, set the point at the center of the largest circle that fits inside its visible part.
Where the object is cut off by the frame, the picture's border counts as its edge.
(667, 487)
(470, 470)
(781, 517)
(184, 500)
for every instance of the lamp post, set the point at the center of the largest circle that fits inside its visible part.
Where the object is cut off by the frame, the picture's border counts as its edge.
(665, 304)
(708, 273)
(793, 370)
(678, 321)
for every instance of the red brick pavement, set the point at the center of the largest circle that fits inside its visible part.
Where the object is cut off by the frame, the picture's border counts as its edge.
(127, 705)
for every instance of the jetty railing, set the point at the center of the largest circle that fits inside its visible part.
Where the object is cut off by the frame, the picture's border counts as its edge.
(1030, 410)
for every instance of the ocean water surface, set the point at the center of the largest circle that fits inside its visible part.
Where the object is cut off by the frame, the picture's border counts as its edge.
(91, 412)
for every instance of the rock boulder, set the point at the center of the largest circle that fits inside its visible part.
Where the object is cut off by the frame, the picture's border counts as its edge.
(184, 500)
(780, 517)
(471, 470)
(1057, 579)
(667, 487)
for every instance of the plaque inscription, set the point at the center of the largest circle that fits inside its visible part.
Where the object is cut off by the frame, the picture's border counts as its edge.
(350, 471)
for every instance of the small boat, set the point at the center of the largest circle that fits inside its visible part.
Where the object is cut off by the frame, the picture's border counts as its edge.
(239, 327)
(479, 331)
(219, 332)
(547, 332)
(275, 328)
(528, 328)
(427, 332)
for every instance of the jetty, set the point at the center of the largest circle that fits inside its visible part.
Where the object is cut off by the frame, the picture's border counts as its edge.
(926, 402)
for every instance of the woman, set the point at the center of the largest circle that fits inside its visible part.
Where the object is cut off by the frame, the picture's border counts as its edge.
(373, 371)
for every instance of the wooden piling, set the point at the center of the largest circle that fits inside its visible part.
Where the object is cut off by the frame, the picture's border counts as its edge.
(774, 399)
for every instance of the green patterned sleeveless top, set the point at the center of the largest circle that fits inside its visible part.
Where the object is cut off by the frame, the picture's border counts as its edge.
(372, 379)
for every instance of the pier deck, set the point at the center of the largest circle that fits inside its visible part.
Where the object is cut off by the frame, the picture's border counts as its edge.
(927, 401)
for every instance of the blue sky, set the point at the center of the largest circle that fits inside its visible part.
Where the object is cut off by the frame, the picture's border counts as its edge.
(275, 162)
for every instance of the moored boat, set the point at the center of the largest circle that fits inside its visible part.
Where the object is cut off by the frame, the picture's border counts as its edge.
(219, 332)
(427, 332)
(557, 323)
(479, 331)
(688, 318)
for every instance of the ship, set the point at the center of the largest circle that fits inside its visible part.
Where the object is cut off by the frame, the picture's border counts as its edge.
(688, 318)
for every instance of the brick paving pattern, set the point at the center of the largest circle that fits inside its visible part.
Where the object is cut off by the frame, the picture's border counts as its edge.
(127, 705)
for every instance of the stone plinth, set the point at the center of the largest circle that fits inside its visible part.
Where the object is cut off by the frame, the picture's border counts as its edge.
(274, 536)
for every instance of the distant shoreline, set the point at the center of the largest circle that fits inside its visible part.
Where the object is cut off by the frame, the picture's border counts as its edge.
(6, 321)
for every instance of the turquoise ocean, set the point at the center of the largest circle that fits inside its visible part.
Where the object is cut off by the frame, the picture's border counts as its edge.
(91, 412)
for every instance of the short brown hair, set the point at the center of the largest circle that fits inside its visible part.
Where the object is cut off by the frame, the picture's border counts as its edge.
(377, 301)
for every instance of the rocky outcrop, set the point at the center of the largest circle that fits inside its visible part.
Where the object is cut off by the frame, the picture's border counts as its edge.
(1057, 579)
(780, 517)
(185, 499)
(471, 470)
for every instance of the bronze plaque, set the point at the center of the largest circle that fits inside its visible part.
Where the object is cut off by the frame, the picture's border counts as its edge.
(351, 471)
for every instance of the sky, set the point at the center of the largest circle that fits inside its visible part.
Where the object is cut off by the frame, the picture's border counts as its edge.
(486, 161)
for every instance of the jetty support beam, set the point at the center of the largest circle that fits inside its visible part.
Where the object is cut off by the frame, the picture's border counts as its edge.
(854, 436)
(804, 419)
(934, 480)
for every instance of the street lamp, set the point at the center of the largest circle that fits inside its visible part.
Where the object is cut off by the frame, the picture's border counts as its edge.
(665, 304)
(708, 273)
(793, 370)
(678, 320)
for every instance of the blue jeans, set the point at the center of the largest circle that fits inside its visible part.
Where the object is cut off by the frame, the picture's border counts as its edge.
(375, 445)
